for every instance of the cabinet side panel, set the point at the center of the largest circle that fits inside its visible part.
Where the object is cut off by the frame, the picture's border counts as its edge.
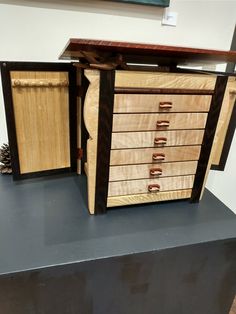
(91, 123)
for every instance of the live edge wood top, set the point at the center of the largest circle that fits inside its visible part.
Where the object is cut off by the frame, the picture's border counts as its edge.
(89, 51)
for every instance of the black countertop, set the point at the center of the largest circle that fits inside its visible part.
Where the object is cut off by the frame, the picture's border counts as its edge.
(44, 222)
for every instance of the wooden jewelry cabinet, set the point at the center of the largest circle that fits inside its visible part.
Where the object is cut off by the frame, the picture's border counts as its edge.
(140, 127)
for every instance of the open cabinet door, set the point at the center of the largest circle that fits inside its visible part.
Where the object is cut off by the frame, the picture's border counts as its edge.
(40, 105)
(227, 120)
(225, 127)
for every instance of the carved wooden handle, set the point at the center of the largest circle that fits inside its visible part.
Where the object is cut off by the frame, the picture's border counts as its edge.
(153, 188)
(158, 157)
(162, 123)
(160, 140)
(39, 83)
(155, 172)
(165, 105)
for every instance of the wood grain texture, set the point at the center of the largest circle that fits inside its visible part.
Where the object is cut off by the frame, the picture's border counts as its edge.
(233, 308)
(206, 155)
(126, 122)
(106, 102)
(224, 120)
(77, 47)
(141, 79)
(141, 186)
(41, 146)
(144, 155)
(91, 105)
(123, 200)
(133, 172)
(146, 139)
(125, 103)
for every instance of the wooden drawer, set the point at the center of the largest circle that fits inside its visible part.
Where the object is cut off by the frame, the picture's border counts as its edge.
(142, 79)
(144, 186)
(146, 155)
(142, 198)
(160, 121)
(161, 103)
(134, 172)
(156, 138)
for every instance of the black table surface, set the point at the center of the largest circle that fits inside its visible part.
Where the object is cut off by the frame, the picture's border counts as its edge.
(44, 222)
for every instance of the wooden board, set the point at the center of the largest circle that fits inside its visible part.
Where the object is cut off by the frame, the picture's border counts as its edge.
(110, 51)
(142, 79)
(125, 103)
(145, 155)
(91, 123)
(42, 121)
(133, 172)
(141, 186)
(151, 139)
(114, 201)
(147, 122)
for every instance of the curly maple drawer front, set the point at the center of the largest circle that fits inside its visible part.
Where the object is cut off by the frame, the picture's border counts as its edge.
(134, 172)
(156, 138)
(150, 185)
(161, 121)
(144, 79)
(161, 103)
(154, 155)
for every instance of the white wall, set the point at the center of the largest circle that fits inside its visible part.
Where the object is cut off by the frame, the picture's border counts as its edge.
(38, 31)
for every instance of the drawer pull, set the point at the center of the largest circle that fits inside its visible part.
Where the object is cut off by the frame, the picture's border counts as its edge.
(163, 123)
(153, 188)
(160, 140)
(165, 105)
(158, 157)
(155, 172)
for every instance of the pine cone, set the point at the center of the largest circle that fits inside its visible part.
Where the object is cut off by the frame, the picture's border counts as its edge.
(5, 159)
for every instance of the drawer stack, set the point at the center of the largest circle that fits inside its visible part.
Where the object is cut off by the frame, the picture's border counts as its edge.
(156, 143)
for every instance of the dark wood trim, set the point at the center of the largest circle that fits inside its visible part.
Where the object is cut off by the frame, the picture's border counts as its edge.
(73, 117)
(106, 103)
(208, 138)
(10, 118)
(232, 123)
(134, 90)
(38, 174)
(6, 68)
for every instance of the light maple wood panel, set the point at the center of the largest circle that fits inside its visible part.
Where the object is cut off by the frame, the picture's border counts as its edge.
(42, 122)
(151, 103)
(132, 172)
(91, 105)
(113, 201)
(145, 155)
(145, 122)
(144, 79)
(147, 139)
(224, 119)
(141, 186)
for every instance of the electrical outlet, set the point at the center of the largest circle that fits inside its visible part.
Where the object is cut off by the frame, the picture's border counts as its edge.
(170, 18)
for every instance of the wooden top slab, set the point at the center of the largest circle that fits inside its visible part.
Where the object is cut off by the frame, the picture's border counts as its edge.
(89, 51)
